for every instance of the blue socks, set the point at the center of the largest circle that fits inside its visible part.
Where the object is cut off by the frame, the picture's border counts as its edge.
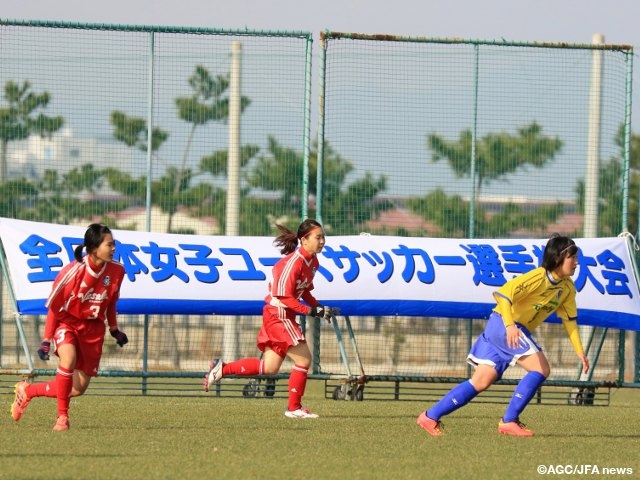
(457, 397)
(524, 392)
(463, 393)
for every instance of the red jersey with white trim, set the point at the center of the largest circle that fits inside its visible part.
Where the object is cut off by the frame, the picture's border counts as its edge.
(83, 292)
(293, 279)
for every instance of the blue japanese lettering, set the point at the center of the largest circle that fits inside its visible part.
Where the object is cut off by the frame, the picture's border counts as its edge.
(374, 259)
(426, 276)
(165, 269)
(618, 282)
(486, 264)
(251, 273)
(584, 273)
(347, 254)
(125, 254)
(515, 261)
(42, 249)
(201, 258)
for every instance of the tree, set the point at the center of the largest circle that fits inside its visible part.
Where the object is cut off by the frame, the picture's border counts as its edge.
(16, 198)
(23, 118)
(280, 170)
(610, 189)
(132, 131)
(497, 154)
(216, 165)
(209, 103)
(450, 213)
(345, 208)
(59, 198)
(514, 217)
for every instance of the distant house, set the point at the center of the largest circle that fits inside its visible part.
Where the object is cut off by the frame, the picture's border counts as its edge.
(570, 224)
(392, 221)
(182, 221)
(401, 219)
(135, 218)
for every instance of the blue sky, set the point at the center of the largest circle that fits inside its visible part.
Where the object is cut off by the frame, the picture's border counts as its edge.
(571, 21)
(518, 20)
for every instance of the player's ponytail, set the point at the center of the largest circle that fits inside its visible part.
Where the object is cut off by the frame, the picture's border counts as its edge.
(77, 252)
(288, 240)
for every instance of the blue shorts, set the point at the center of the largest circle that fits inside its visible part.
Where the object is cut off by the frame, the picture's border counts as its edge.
(491, 347)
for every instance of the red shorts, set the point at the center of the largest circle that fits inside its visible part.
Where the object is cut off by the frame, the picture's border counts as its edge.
(279, 331)
(88, 338)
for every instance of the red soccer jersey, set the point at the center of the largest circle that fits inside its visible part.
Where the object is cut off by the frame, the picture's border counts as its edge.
(293, 279)
(81, 294)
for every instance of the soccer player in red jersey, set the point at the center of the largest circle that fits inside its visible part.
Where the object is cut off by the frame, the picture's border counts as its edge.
(83, 296)
(522, 304)
(280, 335)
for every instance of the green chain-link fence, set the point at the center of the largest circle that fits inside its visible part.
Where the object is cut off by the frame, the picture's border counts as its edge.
(138, 126)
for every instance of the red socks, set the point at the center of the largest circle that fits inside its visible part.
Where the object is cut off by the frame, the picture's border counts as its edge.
(255, 366)
(64, 383)
(297, 384)
(244, 367)
(43, 389)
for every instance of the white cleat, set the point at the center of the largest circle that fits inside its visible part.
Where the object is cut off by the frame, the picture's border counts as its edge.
(302, 412)
(214, 375)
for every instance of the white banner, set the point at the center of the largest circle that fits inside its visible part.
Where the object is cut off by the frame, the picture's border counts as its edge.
(363, 275)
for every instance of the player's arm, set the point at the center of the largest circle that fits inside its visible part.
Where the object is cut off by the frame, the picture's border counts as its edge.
(571, 328)
(60, 291)
(284, 289)
(309, 299)
(112, 320)
(323, 311)
(111, 315)
(568, 313)
(111, 312)
(295, 305)
(503, 307)
(54, 305)
(50, 326)
(316, 310)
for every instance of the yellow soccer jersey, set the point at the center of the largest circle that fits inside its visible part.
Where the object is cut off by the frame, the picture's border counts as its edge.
(535, 295)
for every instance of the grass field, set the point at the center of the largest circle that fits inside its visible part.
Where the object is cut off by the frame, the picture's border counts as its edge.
(206, 437)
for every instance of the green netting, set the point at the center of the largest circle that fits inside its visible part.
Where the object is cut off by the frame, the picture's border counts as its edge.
(104, 91)
(416, 137)
(472, 139)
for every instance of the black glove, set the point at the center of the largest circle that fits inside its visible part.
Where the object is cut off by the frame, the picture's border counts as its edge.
(121, 337)
(322, 311)
(43, 351)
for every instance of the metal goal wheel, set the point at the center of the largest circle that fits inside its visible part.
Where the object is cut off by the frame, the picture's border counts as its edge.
(250, 390)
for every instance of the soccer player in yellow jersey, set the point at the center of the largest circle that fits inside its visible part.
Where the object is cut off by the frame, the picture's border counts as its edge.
(522, 304)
